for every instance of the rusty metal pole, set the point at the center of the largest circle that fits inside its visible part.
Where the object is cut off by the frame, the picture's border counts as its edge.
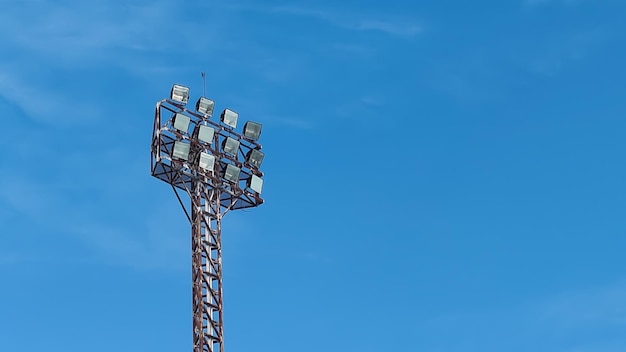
(208, 327)
(197, 275)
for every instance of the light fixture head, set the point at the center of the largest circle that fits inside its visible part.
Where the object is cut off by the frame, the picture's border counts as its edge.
(229, 118)
(232, 173)
(255, 157)
(181, 122)
(255, 183)
(205, 106)
(205, 134)
(207, 161)
(231, 146)
(180, 94)
(181, 150)
(252, 130)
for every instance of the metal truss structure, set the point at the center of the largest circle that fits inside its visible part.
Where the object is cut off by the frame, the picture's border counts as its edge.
(218, 169)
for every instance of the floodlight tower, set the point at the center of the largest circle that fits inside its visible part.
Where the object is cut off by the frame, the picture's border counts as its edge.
(218, 168)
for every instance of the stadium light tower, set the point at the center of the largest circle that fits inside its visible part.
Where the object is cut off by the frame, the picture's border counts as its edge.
(218, 168)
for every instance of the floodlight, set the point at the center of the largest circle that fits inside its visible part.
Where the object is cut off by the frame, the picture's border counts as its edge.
(180, 94)
(256, 183)
(207, 161)
(255, 157)
(231, 146)
(181, 122)
(181, 150)
(205, 106)
(232, 173)
(192, 151)
(205, 134)
(252, 130)
(229, 118)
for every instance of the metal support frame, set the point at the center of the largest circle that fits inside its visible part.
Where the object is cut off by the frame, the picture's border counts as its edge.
(211, 198)
(206, 228)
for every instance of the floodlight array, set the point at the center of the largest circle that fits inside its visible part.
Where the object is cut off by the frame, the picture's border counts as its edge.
(210, 149)
(219, 169)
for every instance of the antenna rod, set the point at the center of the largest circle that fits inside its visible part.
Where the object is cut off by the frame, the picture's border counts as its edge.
(203, 84)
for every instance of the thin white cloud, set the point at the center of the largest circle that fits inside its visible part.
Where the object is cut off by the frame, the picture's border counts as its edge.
(141, 38)
(360, 108)
(86, 30)
(548, 324)
(7, 258)
(532, 3)
(44, 104)
(293, 122)
(599, 306)
(558, 52)
(147, 242)
(391, 25)
(536, 2)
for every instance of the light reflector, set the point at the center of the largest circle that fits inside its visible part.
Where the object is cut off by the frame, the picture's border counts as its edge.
(181, 150)
(256, 183)
(231, 146)
(252, 130)
(229, 118)
(232, 173)
(205, 106)
(255, 158)
(181, 122)
(205, 134)
(180, 94)
(207, 161)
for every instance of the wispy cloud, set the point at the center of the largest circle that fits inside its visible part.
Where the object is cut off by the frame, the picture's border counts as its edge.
(68, 169)
(293, 122)
(391, 25)
(532, 3)
(594, 307)
(43, 102)
(143, 38)
(7, 258)
(561, 322)
(79, 31)
(558, 51)
(143, 242)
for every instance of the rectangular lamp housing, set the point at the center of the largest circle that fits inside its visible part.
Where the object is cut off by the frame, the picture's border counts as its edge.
(181, 122)
(207, 161)
(255, 158)
(181, 150)
(231, 173)
(205, 106)
(252, 130)
(256, 183)
(229, 118)
(205, 134)
(180, 94)
(231, 146)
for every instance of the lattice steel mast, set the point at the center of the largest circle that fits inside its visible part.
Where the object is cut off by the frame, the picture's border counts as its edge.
(218, 169)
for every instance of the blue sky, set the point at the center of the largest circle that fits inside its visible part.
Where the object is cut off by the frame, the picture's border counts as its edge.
(441, 176)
